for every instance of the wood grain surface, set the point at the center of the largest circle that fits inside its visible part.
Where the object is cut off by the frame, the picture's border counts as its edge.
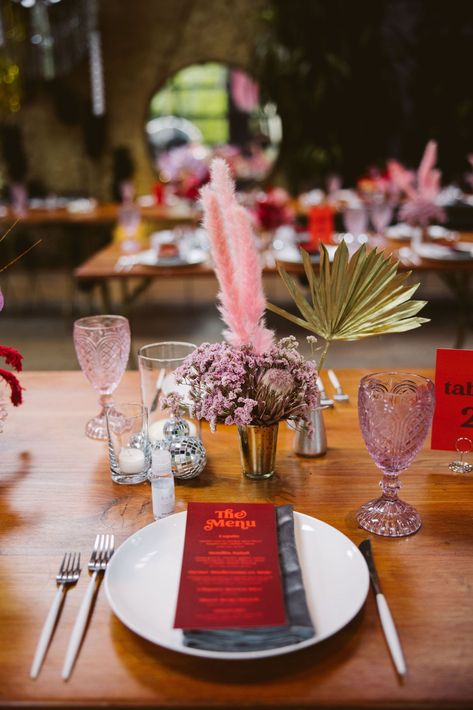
(56, 494)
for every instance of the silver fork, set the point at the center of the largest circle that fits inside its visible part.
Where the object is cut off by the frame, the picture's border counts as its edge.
(99, 559)
(69, 573)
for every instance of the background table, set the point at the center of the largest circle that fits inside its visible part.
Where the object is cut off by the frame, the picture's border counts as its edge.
(56, 494)
(101, 268)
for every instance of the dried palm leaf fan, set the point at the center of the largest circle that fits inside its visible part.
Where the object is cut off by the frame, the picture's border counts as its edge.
(352, 298)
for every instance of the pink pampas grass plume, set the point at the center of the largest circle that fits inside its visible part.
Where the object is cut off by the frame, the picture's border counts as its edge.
(237, 266)
(224, 269)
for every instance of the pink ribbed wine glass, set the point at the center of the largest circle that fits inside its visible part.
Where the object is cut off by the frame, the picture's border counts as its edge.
(102, 346)
(395, 411)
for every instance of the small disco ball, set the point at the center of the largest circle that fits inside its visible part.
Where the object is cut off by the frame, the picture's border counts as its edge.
(188, 456)
(175, 427)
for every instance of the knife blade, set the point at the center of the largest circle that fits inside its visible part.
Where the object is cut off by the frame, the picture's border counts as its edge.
(387, 621)
(339, 395)
(324, 400)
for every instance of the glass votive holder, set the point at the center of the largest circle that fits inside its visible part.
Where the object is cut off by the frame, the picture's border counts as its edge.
(157, 363)
(128, 443)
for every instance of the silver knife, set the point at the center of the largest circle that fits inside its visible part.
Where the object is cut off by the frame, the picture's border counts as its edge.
(387, 621)
(324, 400)
(339, 395)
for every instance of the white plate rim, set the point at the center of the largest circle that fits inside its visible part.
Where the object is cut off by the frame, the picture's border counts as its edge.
(238, 655)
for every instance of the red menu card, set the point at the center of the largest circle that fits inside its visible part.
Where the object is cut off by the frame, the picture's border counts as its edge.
(230, 574)
(453, 418)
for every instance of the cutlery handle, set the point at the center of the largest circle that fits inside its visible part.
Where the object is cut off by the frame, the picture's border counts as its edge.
(334, 380)
(390, 633)
(79, 628)
(47, 632)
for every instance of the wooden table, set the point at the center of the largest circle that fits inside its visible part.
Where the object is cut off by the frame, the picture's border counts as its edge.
(56, 494)
(104, 213)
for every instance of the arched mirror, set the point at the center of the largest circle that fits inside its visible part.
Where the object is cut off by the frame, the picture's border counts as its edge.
(208, 110)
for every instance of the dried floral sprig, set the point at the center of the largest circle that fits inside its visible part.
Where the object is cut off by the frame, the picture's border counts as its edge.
(235, 385)
(352, 298)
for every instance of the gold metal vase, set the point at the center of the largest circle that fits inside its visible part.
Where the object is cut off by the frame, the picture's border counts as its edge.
(258, 450)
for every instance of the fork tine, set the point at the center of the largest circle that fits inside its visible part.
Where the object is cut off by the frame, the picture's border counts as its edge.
(63, 564)
(95, 550)
(72, 567)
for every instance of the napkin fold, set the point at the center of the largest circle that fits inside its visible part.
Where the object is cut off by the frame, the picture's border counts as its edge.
(299, 625)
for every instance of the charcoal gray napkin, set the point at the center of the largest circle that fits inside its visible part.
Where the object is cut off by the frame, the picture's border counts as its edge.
(299, 625)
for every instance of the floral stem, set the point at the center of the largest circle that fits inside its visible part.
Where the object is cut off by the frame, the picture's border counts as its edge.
(323, 355)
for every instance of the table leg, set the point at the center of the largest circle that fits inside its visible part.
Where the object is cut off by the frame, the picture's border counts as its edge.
(105, 295)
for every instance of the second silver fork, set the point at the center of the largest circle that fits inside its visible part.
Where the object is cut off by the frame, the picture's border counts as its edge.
(99, 559)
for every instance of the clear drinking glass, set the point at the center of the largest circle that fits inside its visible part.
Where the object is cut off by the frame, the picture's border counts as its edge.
(102, 345)
(157, 362)
(395, 411)
(128, 445)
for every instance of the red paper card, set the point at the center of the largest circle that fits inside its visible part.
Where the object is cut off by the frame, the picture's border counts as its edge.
(321, 227)
(230, 575)
(453, 417)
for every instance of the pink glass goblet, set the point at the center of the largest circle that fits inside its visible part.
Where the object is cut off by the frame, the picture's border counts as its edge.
(381, 215)
(395, 411)
(102, 345)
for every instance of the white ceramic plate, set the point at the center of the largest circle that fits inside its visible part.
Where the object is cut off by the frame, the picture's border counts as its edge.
(405, 232)
(150, 258)
(437, 252)
(142, 582)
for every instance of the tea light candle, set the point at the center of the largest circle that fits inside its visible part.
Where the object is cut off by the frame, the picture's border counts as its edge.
(131, 460)
(155, 431)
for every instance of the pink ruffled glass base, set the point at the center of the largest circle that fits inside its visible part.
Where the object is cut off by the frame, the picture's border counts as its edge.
(390, 517)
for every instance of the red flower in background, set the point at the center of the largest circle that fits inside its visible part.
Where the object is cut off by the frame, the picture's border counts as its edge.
(11, 356)
(14, 358)
(272, 208)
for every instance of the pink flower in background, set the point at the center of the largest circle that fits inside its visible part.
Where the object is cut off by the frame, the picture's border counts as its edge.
(421, 189)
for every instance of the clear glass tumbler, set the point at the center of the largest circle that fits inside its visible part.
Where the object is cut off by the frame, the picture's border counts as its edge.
(157, 362)
(102, 345)
(395, 411)
(128, 443)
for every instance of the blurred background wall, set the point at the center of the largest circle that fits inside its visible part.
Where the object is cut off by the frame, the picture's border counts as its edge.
(144, 42)
(355, 82)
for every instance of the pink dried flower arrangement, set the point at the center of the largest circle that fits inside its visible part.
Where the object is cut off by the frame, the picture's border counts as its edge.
(249, 379)
(235, 385)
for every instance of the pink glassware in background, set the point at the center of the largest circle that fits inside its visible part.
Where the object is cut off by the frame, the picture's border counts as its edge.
(395, 411)
(381, 215)
(355, 220)
(129, 217)
(102, 345)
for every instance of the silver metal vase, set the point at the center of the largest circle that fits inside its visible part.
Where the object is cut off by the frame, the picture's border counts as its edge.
(314, 444)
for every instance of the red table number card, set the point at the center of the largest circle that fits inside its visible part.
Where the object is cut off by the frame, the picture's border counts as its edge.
(453, 417)
(230, 575)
